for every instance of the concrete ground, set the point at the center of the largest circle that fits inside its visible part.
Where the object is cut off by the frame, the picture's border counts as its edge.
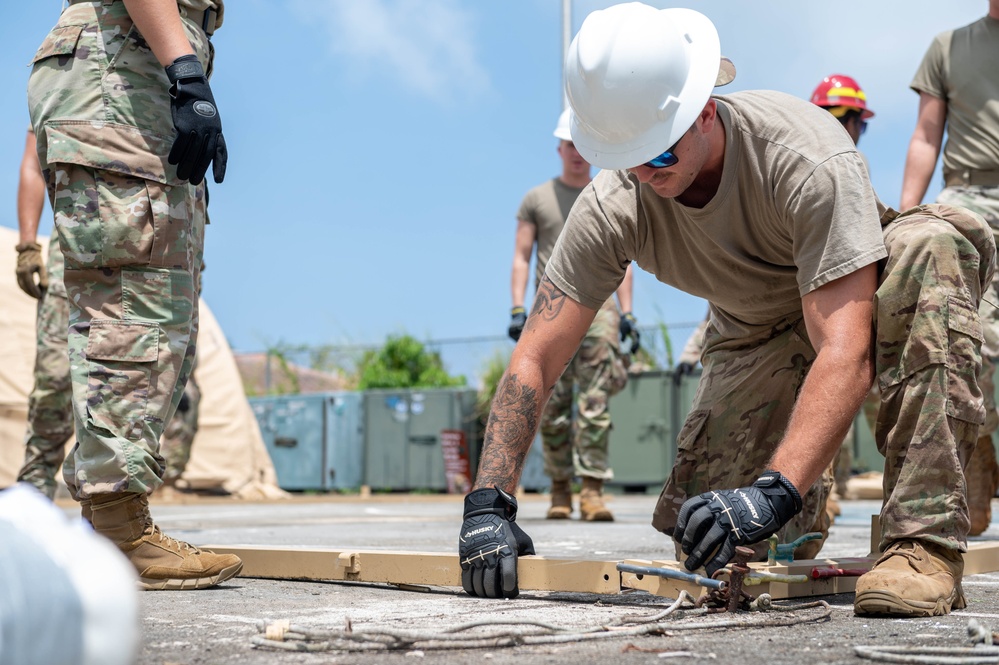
(217, 625)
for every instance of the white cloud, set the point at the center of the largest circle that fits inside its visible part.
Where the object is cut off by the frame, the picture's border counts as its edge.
(427, 46)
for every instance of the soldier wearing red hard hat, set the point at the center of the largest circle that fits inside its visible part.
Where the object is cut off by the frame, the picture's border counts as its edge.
(842, 96)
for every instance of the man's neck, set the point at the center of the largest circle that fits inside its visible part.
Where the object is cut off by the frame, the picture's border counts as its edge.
(575, 181)
(994, 9)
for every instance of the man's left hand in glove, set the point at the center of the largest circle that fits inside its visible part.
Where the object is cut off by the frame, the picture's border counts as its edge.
(629, 328)
(199, 139)
(489, 544)
(29, 264)
(714, 523)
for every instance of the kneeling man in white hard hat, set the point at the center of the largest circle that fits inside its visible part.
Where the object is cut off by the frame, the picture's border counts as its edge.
(759, 203)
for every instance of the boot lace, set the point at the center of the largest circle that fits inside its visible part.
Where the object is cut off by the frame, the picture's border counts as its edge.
(169, 541)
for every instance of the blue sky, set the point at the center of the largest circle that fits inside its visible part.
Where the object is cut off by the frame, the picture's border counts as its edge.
(379, 149)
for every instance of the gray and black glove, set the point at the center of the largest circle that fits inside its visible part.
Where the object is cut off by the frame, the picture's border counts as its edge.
(680, 371)
(714, 523)
(199, 139)
(489, 544)
(30, 263)
(518, 317)
(629, 328)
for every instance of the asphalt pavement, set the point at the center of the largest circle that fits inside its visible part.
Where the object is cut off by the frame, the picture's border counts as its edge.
(218, 625)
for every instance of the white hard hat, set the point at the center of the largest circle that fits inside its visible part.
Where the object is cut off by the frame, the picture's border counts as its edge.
(562, 128)
(637, 78)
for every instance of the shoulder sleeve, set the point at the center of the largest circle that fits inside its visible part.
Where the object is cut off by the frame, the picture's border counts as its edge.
(590, 258)
(835, 222)
(931, 75)
(528, 207)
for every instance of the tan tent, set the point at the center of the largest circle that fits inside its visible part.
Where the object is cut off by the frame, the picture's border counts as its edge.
(228, 453)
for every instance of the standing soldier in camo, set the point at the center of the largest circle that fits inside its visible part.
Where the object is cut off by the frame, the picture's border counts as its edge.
(126, 127)
(597, 371)
(958, 87)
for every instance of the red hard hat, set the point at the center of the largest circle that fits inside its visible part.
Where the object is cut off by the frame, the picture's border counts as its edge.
(841, 90)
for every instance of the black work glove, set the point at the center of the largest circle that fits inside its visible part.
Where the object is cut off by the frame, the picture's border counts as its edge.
(518, 317)
(629, 328)
(199, 139)
(30, 263)
(714, 523)
(680, 371)
(489, 544)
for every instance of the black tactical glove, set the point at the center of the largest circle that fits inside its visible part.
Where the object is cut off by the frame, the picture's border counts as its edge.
(680, 371)
(30, 262)
(629, 328)
(489, 544)
(518, 317)
(716, 522)
(199, 139)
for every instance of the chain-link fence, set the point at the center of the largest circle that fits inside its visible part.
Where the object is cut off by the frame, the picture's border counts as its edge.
(470, 357)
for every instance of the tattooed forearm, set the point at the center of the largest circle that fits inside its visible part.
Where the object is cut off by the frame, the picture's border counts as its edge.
(549, 300)
(513, 421)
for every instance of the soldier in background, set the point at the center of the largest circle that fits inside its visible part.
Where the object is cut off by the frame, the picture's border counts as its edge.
(958, 87)
(573, 448)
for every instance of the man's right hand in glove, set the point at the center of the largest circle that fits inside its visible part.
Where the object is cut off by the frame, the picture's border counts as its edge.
(29, 263)
(518, 317)
(680, 371)
(199, 139)
(489, 544)
(711, 525)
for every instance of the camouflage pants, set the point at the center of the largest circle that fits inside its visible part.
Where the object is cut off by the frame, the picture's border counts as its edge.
(175, 445)
(596, 372)
(984, 201)
(927, 340)
(50, 405)
(132, 265)
(131, 234)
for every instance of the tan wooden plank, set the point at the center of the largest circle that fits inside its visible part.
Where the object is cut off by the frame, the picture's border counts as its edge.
(542, 574)
(416, 568)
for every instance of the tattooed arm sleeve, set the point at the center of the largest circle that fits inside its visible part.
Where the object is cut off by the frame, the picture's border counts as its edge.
(554, 330)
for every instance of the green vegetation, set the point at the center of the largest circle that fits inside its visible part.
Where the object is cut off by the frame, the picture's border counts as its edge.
(491, 375)
(404, 362)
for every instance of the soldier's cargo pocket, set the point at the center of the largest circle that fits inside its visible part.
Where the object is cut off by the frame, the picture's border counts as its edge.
(61, 44)
(964, 361)
(120, 356)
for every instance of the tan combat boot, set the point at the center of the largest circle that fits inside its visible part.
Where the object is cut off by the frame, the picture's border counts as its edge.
(161, 561)
(591, 501)
(913, 579)
(561, 500)
(981, 475)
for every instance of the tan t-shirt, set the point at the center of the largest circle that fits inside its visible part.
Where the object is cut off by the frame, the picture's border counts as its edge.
(962, 68)
(794, 210)
(547, 206)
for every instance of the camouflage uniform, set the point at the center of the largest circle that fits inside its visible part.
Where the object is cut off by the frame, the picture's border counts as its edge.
(175, 446)
(984, 201)
(131, 233)
(50, 405)
(928, 339)
(599, 370)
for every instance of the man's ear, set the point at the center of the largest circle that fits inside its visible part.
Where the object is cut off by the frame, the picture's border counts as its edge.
(708, 116)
